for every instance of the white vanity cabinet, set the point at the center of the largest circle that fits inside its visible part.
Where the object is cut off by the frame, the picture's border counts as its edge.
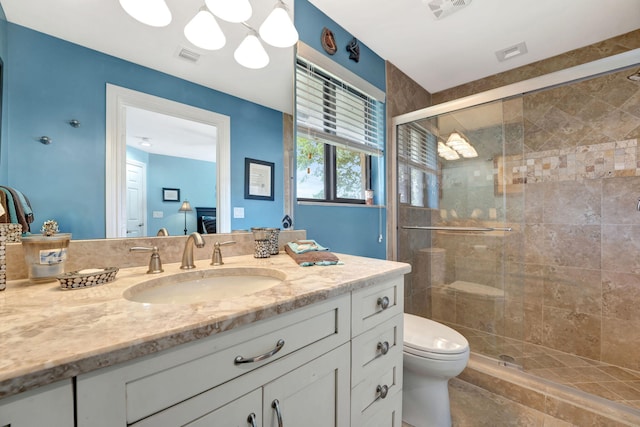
(376, 354)
(50, 405)
(315, 394)
(201, 383)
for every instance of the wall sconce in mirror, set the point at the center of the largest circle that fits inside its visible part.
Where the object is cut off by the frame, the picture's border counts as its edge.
(45, 140)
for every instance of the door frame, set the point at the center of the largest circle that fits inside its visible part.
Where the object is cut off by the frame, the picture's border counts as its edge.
(118, 99)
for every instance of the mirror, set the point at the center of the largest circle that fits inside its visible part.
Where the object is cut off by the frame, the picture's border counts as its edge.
(73, 180)
(121, 103)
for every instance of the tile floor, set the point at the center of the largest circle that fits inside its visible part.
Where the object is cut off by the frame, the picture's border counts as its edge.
(473, 406)
(598, 378)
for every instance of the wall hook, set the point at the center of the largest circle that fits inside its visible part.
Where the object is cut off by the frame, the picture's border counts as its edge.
(74, 123)
(45, 140)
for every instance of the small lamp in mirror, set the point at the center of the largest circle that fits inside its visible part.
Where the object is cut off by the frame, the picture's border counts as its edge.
(186, 207)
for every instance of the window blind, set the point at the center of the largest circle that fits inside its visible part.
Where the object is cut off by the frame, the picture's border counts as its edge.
(417, 147)
(332, 112)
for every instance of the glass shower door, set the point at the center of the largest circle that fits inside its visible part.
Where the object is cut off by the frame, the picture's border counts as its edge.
(460, 207)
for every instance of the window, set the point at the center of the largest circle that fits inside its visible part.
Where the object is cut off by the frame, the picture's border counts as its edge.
(417, 166)
(340, 135)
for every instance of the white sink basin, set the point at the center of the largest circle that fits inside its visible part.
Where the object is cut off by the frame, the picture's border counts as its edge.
(204, 285)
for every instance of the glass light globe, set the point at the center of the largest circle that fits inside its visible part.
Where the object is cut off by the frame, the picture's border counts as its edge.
(277, 29)
(155, 13)
(251, 53)
(203, 31)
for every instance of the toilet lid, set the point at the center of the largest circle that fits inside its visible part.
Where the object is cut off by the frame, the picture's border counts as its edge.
(425, 335)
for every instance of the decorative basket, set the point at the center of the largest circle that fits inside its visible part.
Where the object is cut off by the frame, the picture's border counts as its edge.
(87, 278)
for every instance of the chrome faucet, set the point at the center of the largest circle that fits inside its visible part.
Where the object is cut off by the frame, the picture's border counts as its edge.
(216, 258)
(163, 232)
(155, 265)
(187, 256)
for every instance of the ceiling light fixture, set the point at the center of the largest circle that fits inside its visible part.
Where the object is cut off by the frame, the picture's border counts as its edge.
(277, 29)
(251, 53)
(461, 145)
(203, 31)
(155, 13)
(230, 10)
(446, 152)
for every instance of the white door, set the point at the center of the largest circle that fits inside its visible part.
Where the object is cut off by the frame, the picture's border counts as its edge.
(136, 199)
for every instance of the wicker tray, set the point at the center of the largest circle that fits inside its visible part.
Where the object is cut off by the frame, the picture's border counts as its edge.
(87, 278)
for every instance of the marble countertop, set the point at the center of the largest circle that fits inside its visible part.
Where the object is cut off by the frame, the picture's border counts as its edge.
(49, 334)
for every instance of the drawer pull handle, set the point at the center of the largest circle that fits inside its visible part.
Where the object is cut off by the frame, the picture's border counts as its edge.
(383, 347)
(383, 390)
(240, 359)
(383, 302)
(252, 420)
(276, 405)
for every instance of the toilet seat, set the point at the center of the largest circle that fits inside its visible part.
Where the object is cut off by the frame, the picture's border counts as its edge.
(426, 338)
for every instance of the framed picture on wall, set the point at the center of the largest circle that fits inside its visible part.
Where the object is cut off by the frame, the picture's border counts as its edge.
(258, 179)
(170, 194)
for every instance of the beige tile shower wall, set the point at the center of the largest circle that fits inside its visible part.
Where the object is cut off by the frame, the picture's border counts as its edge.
(403, 96)
(580, 179)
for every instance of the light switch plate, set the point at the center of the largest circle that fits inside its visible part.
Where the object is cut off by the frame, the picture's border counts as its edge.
(238, 212)
(158, 214)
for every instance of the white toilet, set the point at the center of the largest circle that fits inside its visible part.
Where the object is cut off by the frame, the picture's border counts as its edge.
(433, 353)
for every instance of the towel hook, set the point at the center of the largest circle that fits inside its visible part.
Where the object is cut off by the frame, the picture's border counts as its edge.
(45, 140)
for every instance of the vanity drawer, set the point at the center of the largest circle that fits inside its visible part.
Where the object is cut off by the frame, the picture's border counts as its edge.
(375, 304)
(387, 414)
(375, 347)
(151, 384)
(369, 395)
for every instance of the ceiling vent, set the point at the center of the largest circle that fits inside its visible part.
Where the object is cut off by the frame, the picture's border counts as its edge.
(443, 8)
(512, 52)
(188, 55)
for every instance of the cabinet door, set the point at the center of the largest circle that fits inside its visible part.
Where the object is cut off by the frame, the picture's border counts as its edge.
(242, 412)
(314, 395)
(50, 405)
(222, 406)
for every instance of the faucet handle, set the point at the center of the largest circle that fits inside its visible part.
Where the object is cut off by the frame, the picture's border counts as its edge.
(216, 258)
(155, 264)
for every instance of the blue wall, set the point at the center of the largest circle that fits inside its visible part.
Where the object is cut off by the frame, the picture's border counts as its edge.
(196, 180)
(351, 229)
(52, 81)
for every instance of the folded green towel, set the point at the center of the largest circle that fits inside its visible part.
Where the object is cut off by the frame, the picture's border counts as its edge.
(302, 246)
(312, 257)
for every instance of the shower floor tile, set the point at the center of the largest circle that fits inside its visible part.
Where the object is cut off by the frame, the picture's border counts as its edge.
(598, 378)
